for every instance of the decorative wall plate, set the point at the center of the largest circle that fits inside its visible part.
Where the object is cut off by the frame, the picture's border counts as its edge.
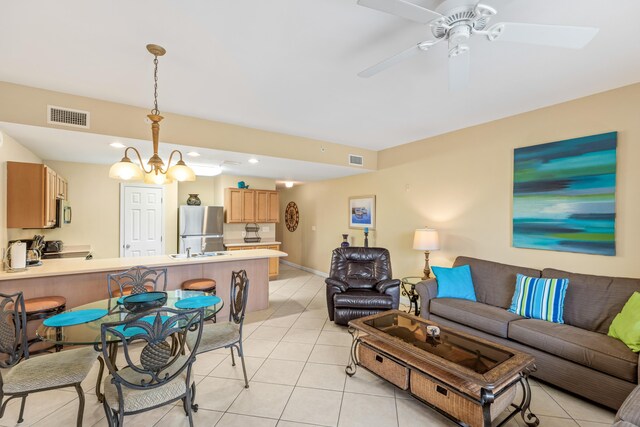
(292, 216)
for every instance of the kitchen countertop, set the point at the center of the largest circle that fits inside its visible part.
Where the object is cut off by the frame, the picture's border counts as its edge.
(66, 266)
(240, 243)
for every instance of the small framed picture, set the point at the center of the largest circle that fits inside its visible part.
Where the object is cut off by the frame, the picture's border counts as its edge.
(362, 212)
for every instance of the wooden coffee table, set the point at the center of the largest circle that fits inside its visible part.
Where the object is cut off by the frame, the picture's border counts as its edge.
(468, 379)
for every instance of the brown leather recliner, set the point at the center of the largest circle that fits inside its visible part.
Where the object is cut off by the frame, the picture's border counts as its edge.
(360, 284)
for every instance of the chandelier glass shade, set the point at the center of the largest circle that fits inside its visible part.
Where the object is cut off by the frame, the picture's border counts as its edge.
(155, 172)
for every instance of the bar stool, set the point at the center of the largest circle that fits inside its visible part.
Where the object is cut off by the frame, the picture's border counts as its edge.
(201, 285)
(42, 308)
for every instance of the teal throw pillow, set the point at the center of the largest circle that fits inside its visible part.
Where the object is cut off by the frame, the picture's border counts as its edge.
(539, 298)
(455, 282)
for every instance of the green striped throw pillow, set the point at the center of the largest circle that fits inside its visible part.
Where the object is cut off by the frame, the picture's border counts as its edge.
(539, 298)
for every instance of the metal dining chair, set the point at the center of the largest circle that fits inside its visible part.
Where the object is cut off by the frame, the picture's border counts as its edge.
(156, 376)
(137, 280)
(227, 334)
(31, 375)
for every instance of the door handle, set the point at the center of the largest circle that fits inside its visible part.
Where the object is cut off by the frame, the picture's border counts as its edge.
(127, 246)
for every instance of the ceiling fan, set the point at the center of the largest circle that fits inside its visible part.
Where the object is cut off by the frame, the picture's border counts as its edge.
(456, 21)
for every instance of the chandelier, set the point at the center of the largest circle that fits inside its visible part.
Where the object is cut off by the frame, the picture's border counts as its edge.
(156, 172)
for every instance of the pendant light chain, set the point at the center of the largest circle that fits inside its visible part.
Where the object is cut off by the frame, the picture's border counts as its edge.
(155, 86)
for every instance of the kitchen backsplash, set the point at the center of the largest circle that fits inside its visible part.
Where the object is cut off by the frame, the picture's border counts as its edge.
(233, 232)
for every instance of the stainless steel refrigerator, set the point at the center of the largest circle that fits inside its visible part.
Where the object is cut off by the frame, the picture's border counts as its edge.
(200, 228)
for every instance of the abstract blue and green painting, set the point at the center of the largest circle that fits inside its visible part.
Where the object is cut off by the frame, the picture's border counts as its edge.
(564, 195)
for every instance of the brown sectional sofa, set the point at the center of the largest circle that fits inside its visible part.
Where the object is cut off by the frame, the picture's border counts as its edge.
(577, 356)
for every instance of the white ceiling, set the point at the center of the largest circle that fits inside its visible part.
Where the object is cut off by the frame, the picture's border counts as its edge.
(291, 65)
(82, 147)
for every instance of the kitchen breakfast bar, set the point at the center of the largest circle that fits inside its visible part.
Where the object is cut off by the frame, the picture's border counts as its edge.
(82, 281)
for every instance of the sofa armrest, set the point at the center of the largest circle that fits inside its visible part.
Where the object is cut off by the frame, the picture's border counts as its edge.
(428, 290)
(383, 285)
(630, 409)
(339, 285)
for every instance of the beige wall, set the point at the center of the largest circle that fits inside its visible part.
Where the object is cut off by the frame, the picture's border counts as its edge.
(11, 151)
(203, 186)
(95, 200)
(29, 106)
(461, 184)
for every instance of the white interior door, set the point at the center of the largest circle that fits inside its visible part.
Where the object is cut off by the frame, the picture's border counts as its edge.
(141, 221)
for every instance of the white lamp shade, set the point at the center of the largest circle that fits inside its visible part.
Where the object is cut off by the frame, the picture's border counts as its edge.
(157, 179)
(126, 171)
(426, 239)
(181, 173)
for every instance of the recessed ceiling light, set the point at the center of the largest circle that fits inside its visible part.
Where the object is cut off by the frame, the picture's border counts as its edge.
(288, 184)
(254, 160)
(117, 145)
(193, 154)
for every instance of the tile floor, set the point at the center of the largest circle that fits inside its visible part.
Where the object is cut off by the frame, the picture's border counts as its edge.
(295, 361)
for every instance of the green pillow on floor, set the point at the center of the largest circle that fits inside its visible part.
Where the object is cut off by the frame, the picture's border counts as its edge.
(626, 325)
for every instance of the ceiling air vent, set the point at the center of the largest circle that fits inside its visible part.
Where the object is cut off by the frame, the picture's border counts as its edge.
(356, 160)
(67, 117)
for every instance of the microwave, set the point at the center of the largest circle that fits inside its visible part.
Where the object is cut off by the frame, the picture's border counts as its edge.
(63, 213)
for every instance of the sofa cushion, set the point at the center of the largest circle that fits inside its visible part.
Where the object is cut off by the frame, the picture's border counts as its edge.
(539, 298)
(593, 301)
(626, 325)
(494, 283)
(597, 351)
(493, 320)
(455, 282)
(361, 298)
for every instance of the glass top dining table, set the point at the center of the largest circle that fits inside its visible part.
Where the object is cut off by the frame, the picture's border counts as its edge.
(89, 333)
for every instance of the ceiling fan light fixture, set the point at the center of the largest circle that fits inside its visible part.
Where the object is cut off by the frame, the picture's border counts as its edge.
(457, 20)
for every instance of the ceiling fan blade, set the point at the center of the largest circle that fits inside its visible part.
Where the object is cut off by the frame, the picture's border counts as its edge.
(459, 71)
(389, 62)
(403, 9)
(547, 35)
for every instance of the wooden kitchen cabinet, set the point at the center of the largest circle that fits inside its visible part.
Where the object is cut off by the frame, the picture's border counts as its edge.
(274, 263)
(248, 206)
(267, 206)
(273, 207)
(61, 188)
(32, 193)
(239, 205)
(51, 190)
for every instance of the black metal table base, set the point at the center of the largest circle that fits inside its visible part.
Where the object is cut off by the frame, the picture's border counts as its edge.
(486, 399)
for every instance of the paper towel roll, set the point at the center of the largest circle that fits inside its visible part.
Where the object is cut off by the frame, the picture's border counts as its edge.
(18, 255)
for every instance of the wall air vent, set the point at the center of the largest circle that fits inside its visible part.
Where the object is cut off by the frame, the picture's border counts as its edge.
(355, 160)
(67, 117)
